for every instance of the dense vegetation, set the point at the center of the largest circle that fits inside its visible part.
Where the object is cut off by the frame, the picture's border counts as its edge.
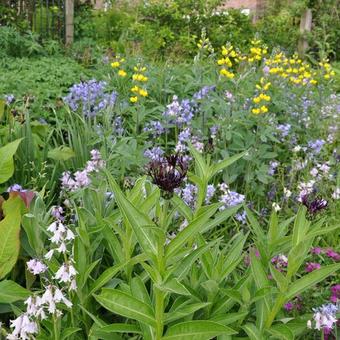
(191, 191)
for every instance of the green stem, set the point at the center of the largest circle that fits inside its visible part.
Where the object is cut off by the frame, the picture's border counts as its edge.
(159, 308)
(55, 328)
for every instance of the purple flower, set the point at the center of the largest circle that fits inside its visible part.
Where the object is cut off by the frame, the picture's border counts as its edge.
(154, 127)
(335, 291)
(272, 167)
(284, 129)
(311, 266)
(316, 145)
(332, 254)
(156, 153)
(9, 98)
(314, 205)
(316, 250)
(16, 188)
(168, 173)
(179, 112)
(289, 306)
(90, 97)
(204, 92)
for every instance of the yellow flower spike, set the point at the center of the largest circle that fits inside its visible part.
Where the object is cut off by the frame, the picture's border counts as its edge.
(134, 99)
(264, 109)
(122, 73)
(115, 64)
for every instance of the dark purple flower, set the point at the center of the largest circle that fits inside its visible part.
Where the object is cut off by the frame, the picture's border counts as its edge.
(168, 172)
(314, 205)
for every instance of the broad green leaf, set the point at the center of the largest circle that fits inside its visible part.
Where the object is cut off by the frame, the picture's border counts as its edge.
(196, 330)
(126, 305)
(11, 292)
(6, 160)
(191, 230)
(215, 168)
(9, 231)
(61, 153)
(311, 279)
(252, 332)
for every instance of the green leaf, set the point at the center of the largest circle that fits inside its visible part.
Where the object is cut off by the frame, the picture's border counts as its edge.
(252, 332)
(121, 328)
(9, 231)
(184, 311)
(6, 160)
(191, 230)
(202, 167)
(280, 279)
(215, 168)
(281, 331)
(2, 108)
(110, 272)
(61, 153)
(67, 332)
(174, 286)
(126, 305)
(11, 292)
(196, 330)
(145, 235)
(301, 226)
(229, 318)
(310, 280)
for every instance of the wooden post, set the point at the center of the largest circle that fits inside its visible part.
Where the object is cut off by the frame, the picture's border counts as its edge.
(305, 27)
(69, 22)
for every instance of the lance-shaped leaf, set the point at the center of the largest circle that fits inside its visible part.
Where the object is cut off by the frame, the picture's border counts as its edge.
(215, 168)
(310, 280)
(146, 236)
(197, 330)
(191, 230)
(126, 305)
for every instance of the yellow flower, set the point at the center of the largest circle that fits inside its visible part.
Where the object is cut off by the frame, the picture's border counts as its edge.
(220, 61)
(122, 73)
(133, 99)
(226, 73)
(327, 76)
(256, 100)
(313, 81)
(255, 111)
(115, 64)
(264, 109)
(135, 89)
(143, 93)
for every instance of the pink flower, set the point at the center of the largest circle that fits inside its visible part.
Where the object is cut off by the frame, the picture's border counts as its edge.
(316, 250)
(310, 266)
(288, 306)
(332, 254)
